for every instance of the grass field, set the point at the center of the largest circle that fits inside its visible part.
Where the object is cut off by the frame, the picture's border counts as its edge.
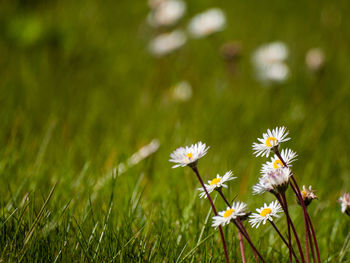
(80, 94)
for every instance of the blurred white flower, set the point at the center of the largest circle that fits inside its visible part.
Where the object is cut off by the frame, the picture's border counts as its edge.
(267, 212)
(167, 42)
(238, 209)
(269, 62)
(181, 91)
(315, 59)
(206, 23)
(216, 183)
(270, 141)
(184, 156)
(167, 13)
(155, 3)
(345, 203)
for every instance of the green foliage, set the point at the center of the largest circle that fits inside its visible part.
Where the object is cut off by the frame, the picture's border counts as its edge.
(80, 93)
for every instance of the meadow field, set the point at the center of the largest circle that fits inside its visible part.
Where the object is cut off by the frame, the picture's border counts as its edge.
(81, 93)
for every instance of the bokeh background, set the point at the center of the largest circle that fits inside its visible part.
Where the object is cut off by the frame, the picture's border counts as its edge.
(80, 93)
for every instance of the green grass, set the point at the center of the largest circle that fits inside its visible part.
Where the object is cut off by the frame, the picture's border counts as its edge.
(79, 94)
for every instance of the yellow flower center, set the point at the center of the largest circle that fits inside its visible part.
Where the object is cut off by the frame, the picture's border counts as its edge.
(188, 157)
(303, 194)
(271, 141)
(265, 212)
(228, 212)
(215, 181)
(277, 164)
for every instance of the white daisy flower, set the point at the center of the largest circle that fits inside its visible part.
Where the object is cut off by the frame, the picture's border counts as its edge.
(167, 13)
(263, 186)
(308, 195)
(267, 212)
(184, 156)
(207, 23)
(167, 42)
(345, 203)
(216, 183)
(270, 141)
(279, 179)
(238, 209)
(269, 63)
(287, 155)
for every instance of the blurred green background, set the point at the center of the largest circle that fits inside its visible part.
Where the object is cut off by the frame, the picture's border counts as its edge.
(80, 93)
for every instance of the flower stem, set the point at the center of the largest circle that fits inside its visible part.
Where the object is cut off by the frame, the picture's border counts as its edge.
(241, 228)
(307, 219)
(246, 233)
(293, 228)
(314, 238)
(288, 223)
(241, 246)
(284, 240)
(195, 170)
(239, 231)
(248, 239)
(311, 244)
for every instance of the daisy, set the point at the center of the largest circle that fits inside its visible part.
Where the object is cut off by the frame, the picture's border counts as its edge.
(278, 179)
(270, 141)
(287, 155)
(263, 186)
(167, 13)
(167, 42)
(308, 195)
(216, 183)
(184, 156)
(207, 23)
(238, 209)
(345, 203)
(267, 212)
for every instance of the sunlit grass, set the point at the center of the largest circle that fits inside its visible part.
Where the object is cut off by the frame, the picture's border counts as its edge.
(80, 94)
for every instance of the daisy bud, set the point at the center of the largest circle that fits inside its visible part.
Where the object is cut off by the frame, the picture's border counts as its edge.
(279, 179)
(308, 195)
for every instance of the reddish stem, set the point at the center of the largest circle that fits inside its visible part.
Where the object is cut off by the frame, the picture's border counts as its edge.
(288, 222)
(239, 232)
(284, 240)
(293, 228)
(307, 219)
(241, 246)
(214, 210)
(314, 238)
(248, 239)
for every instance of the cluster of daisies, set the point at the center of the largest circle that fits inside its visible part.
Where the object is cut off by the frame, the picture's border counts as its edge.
(276, 178)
